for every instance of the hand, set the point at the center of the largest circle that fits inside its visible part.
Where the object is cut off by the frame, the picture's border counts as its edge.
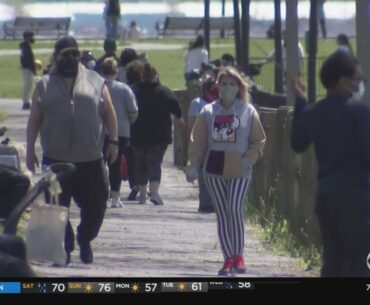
(31, 160)
(181, 122)
(191, 174)
(298, 89)
(111, 153)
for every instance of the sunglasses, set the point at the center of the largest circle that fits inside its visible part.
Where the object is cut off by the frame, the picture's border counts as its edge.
(70, 53)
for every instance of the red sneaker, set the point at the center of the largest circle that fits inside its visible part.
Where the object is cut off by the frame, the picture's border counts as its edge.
(226, 269)
(239, 264)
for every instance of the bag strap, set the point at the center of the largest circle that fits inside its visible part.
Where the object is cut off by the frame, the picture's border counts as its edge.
(55, 190)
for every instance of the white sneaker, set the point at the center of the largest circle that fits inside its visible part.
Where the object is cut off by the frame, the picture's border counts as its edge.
(142, 198)
(116, 203)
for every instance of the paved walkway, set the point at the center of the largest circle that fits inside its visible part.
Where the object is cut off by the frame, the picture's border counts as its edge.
(156, 241)
(140, 46)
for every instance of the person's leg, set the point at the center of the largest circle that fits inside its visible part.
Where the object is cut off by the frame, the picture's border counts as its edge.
(115, 176)
(217, 188)
(141, 170)
(90, 191)
(27, 87)
(237, 190)
(156, 154)
(332, 249)
(354, 228)
(130, 160)
(13, 187)
(205, 201)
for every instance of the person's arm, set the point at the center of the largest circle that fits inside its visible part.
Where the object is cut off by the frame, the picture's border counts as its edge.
(205, 56)
(33, 128)
(131, 106)
(362, 121)
(110, 121)
(172, 102)
(299, 137)
(257, 140)
(190, 124)
(198, 141)
(193, 112)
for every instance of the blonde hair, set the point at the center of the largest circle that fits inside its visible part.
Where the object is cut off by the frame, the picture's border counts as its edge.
(109, 66)
(38, 64)
(243, 85)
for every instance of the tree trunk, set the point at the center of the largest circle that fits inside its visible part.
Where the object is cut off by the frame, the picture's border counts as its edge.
(206, 26)
(312, 50)
(279, 86)
(245, 36)
(237, 31)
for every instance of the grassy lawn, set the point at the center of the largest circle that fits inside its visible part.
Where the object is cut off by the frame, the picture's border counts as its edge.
(168, 62)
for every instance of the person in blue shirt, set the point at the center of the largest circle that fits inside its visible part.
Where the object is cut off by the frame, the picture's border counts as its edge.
(339, 128)
(209, 94)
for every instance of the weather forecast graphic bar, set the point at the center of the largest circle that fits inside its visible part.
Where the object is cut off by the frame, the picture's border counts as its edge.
(60, 287)
(10, 287)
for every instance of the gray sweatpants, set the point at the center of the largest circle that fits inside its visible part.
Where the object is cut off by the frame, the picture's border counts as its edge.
(27, 76)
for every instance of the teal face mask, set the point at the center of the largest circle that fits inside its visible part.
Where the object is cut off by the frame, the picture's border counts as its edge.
(228, 94)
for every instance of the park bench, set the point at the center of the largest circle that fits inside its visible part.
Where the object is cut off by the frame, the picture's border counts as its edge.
(174, 25)
(40, 26)
(221, 24)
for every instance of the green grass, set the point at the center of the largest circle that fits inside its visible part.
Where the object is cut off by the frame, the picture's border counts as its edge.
(169, 63)
(274, 232)
(2, 116)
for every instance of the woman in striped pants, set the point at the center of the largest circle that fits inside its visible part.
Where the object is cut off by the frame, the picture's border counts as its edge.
(229, 137)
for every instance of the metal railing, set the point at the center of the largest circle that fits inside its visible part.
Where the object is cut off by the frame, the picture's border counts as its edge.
(266, 78)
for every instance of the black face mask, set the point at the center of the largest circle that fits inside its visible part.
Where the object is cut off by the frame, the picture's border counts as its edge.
(67, 67)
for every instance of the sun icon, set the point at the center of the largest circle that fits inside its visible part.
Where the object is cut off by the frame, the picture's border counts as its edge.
(181, 286)
(135, 287)
(88, 288)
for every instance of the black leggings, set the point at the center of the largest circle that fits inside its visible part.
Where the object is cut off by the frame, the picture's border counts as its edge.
(115, 175)
(148, 162)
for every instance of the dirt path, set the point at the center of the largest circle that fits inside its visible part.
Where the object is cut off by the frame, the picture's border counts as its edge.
(156, 241)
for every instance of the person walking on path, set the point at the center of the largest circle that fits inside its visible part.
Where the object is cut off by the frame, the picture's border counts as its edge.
(124, 103)
(112, 15)
(229, 137)
(339, 128)
(70, 108)
(209, 94)
(152, 131)
(110, 48)
(343, 43)
(127, 57)
(28, 67)
(194, 57)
